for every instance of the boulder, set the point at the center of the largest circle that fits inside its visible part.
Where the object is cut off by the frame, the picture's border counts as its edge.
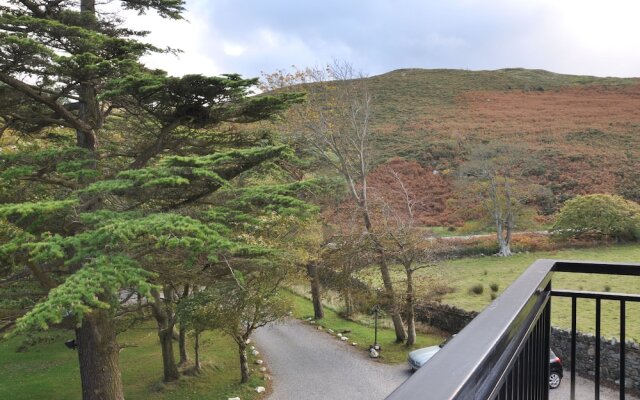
(373, 353)
(259, 362)
(260, 389)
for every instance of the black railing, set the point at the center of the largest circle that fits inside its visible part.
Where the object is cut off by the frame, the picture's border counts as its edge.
(504, 352)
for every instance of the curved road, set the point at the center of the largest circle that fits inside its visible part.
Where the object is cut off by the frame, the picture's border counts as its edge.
(308, 364)
(312, 365)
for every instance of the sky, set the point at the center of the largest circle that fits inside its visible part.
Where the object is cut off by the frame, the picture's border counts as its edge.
(585, 37)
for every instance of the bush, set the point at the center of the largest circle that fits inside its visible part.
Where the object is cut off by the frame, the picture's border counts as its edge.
(600, 215)
(494, 296)
(494, 287)
(476, 289)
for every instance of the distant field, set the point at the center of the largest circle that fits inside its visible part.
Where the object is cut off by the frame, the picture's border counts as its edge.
(50, 371)
(461, 274)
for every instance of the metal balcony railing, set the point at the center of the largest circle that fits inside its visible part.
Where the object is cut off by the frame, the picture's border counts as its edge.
(504, 352)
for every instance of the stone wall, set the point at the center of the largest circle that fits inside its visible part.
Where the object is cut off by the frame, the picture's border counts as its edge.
(452, 319)
(609, 356)
(444, 317)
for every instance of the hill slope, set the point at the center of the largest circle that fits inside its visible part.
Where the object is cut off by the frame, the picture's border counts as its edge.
(583, 131)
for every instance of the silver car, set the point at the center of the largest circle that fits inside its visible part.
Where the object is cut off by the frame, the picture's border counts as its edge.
(418, 358)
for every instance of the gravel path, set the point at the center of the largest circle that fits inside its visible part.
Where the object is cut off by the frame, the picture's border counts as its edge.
(308, 364)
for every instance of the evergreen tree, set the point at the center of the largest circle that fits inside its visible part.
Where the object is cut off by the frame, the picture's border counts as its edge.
(113, 182)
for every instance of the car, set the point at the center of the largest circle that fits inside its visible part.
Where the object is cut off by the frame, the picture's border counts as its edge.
(418, 358)
(555, 370)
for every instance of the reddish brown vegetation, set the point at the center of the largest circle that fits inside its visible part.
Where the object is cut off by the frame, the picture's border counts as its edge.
(427, 189)
(550, 113)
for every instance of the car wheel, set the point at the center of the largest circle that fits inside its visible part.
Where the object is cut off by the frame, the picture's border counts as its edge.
(554, 380)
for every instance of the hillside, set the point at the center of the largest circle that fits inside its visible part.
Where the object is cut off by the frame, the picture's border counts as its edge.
(584, 131)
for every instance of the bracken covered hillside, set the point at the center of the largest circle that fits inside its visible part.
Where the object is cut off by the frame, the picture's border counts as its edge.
(583, 132)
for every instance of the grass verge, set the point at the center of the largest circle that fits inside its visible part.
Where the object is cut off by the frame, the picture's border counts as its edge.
(360, 333)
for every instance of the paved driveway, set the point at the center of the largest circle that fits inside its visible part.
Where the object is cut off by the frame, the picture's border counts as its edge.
(308, 364)
(584, 390)
(312, 365)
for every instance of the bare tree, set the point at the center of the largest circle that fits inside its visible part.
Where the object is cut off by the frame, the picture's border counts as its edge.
(404, 242)
(336, 124)
(492, 173)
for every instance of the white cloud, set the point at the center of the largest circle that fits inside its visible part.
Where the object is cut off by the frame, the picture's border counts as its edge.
(191, 36)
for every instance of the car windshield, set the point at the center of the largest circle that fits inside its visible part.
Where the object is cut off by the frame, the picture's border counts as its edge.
(446, 341)
(552, 355)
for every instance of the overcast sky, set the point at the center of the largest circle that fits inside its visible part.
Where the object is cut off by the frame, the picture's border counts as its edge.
(594, 37)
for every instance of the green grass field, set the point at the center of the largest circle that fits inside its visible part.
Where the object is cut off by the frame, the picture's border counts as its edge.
(463, 273)
(50, 371)
(362, 334)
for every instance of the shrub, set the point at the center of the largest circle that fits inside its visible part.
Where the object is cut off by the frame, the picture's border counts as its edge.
(600, 215)
(494, 287)
(476, 289)
(607, 288)
(494, 296)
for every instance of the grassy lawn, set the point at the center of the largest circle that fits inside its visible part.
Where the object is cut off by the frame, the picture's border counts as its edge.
(463, 273)
(362, 334)
(50, 371)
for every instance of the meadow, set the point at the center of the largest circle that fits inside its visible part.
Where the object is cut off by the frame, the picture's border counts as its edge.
(50, 371)
(461, 275)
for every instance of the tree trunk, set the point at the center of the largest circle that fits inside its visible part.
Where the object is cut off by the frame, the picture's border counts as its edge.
(388, 284)
(244, 364)
(348, 302)
(98, 355)
(196, 350)
(182, 339)
(505, 248)
(312, 272)
(410, 311)
(168, 359)
(398, 326)
(165, 320)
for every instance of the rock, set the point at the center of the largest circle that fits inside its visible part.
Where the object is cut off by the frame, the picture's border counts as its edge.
(330, 330)
(263, 369)
(255, 352)
(319, 328)
(309, 318)
(344, 338)
(252, 348)
(259, 362)
(290, 313)
(312, 322)
(260, 389)
(373, 353)
(354, 344)
(248, 341)
(339, 334)
(233, 398)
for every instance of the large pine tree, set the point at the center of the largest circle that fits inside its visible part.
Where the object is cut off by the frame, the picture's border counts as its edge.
(119, 169)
